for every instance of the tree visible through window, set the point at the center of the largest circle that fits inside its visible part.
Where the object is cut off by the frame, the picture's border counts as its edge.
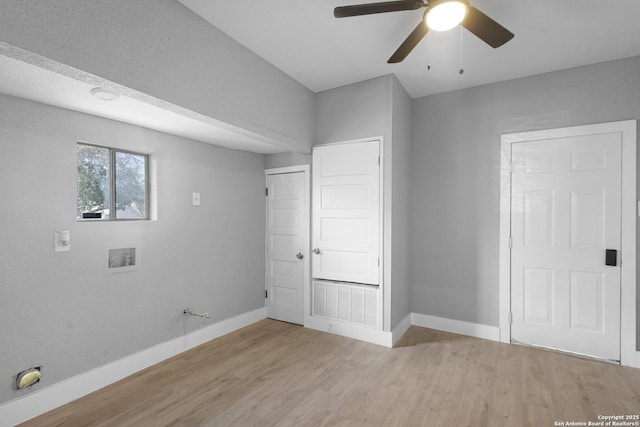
(112, 184)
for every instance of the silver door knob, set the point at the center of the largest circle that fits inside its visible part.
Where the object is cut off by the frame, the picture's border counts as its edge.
(299, 255)
(316, 251)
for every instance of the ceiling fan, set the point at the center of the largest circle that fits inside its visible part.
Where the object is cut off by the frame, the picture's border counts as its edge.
(441, 15)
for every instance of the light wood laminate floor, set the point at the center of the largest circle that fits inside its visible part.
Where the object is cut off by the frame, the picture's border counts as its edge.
(277, 374)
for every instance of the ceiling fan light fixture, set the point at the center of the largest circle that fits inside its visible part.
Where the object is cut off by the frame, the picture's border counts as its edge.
(445, 15)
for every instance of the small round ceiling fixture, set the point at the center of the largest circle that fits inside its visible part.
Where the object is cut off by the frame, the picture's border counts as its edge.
(104, 94)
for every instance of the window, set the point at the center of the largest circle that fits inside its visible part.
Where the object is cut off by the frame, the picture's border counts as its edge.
(112, 184)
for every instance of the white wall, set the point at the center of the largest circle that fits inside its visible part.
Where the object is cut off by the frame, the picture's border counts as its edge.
(59, 310)
(455, 171)
(161, 48)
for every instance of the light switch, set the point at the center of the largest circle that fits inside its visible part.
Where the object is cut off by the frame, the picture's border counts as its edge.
(196, 199)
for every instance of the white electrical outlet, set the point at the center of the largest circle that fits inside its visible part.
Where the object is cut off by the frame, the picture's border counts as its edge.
(196, 199)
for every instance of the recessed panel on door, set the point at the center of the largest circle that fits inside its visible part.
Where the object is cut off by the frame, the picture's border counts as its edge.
(347, 265)
(539, 162)
(538, 295)
(284, 269)
(284, 242)
(285, 216)
(345, 196)
(538, 218)
(587, 298)
(337, 230)
(587, 218)
(284, 190)
(586, 159)
(340, 162)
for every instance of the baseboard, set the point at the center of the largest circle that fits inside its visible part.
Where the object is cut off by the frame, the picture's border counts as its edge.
(456, 326)
(389, 339)
(400, 329)
(46, 399)
(362, 333)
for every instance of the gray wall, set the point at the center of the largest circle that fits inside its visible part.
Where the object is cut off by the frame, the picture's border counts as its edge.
(359, 110)
(455, 171)
(162, 49)
(400, 157)
(59, 310)
(286, 159)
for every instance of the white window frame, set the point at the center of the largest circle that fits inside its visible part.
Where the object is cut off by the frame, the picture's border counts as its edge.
(112, 184)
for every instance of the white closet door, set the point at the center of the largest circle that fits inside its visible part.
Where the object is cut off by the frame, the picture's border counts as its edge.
(287, 228)
(346, 212)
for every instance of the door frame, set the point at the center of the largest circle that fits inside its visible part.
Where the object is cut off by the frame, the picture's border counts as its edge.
(306, 215)
(627, 129)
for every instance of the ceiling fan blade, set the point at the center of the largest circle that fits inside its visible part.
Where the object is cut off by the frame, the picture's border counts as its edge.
(371, 8)
(485, 28)
(410, 42)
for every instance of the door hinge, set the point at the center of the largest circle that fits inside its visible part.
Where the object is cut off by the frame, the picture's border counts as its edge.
(510, 318)
(266, 191)
(378, 160)
(510, 242)
(266, 294)
(378, 261)
(510, 167)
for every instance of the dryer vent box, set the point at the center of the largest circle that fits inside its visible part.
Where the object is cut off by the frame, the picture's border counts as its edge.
(121, 259)
(28, 377)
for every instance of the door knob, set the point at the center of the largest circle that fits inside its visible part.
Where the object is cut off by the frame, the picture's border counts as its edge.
(316, 251)
(299, 255)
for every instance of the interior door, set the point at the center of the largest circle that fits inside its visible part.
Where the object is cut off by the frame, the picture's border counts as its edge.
(346, 212)
(565, 214)
(287, 227)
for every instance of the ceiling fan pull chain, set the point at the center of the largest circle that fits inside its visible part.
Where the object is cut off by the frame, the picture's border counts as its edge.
(461, 71)
(429, 52)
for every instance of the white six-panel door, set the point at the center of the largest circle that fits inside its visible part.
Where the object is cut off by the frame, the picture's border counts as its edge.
(346, 212)
(287, 228)
(565, 213)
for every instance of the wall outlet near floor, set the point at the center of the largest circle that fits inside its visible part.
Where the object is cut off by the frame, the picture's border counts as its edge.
(196, 199)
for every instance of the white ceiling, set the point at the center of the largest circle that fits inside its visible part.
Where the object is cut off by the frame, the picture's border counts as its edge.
(305, 41)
